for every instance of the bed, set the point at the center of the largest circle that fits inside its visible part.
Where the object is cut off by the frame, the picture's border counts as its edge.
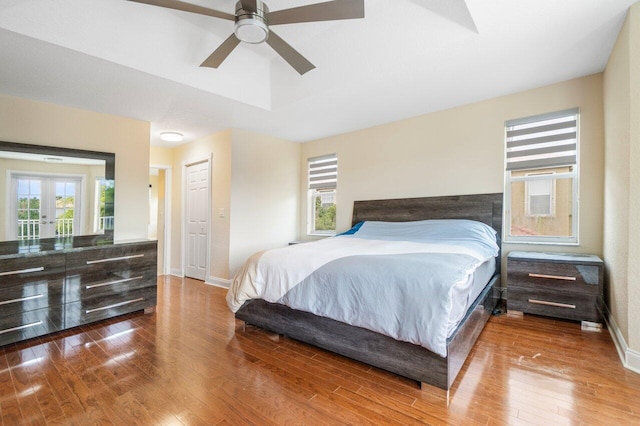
(438, 367)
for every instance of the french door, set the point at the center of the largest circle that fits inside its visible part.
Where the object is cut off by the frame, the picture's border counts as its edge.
(44, 206)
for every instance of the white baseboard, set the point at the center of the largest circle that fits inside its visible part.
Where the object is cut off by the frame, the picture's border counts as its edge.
(630, 358)
(633, 360)
(177, 273)
(218, 282)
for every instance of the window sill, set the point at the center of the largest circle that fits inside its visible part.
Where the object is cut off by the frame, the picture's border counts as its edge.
(543, 243)
(321, 235)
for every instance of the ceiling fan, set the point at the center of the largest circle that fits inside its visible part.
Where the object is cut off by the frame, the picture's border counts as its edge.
(253, 21)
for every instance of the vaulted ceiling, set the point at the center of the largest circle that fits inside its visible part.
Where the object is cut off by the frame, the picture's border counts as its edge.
(405, 58)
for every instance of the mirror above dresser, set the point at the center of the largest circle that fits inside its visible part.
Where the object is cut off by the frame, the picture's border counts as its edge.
(52, 192)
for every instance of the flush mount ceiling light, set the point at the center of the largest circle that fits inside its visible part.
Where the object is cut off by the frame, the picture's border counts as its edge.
(171, 136)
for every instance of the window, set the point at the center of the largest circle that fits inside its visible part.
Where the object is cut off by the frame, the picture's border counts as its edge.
(323, 179)
(540, 196)
(541, 193)
(103, 197)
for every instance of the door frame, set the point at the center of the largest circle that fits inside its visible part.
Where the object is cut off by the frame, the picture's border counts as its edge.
(183, 222)
(166, 254)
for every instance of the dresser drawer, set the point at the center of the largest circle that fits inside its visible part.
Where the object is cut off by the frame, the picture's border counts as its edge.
(31, 296)
(581, 307)
(31, 269)
(30, 324)
(570, 277)
(86, 311)
(109, 271)
(113, 257)
(88, 286)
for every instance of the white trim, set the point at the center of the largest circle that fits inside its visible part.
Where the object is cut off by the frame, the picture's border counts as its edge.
(167, 216)
(633, 361)
(177, 272)
(218, 282)
(630, 359)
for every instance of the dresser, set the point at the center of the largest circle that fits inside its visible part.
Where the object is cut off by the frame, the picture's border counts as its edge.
(568, 286)
(52, 285)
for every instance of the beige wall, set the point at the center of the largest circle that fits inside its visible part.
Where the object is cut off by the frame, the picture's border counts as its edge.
(264, 194)
(161, 156)
(461, 151)
(622, 179)
(41, 123)
(255, 182)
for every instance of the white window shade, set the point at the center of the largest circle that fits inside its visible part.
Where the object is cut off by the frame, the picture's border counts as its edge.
(543, 141)
(323, 172)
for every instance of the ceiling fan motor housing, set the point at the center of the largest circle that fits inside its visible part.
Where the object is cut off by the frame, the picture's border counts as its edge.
(251, 26)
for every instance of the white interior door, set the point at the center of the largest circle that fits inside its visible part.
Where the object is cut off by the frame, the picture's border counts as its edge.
(197, 218)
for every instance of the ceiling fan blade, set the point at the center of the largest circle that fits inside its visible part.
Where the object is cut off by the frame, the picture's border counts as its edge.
(220, 54)
(327, 11)
(249, 5)
(187, 7)
(289, 54)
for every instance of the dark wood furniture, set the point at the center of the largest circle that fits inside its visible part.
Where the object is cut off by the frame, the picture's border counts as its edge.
(398, 357)
(568, 286)
(50, 285)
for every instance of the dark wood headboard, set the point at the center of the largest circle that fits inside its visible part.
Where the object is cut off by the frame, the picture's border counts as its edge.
(486, 208)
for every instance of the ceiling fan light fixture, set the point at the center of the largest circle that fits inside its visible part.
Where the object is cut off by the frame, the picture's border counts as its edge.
(171, 136)
(251, 29)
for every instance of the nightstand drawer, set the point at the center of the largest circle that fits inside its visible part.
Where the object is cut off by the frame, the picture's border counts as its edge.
(581, 307)
(548, 275)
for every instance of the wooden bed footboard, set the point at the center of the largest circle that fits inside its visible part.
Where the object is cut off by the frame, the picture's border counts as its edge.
(402, 358)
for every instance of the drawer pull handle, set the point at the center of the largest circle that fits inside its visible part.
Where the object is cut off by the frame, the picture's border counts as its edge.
(114, 259)
(552, 277)
(22, 299)
(115, 305)
(22, 271)
(126, 280)
(21, 327)
(556, 304)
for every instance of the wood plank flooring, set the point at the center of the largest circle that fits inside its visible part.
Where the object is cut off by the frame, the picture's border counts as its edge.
(191, 363)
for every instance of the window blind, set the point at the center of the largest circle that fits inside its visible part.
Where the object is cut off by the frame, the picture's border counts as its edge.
(543, 141)
(323, 172)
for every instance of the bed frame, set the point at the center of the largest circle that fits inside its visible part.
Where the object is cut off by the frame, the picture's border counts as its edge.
(402, 358)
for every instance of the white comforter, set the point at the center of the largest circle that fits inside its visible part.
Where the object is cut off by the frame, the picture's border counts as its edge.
(374, 278)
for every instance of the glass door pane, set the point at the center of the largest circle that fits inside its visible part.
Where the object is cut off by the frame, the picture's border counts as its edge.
(29, 196)
(65, 201)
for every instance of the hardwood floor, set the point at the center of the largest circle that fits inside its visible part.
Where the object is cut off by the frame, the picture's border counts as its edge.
(191, 363)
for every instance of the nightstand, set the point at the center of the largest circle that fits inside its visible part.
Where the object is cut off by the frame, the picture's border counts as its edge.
(568, 286)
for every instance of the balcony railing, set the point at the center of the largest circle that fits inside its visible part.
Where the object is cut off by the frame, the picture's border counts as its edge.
(106, 222)
(29, 229)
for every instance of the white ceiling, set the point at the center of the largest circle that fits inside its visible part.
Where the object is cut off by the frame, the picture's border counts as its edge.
(405, 58)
